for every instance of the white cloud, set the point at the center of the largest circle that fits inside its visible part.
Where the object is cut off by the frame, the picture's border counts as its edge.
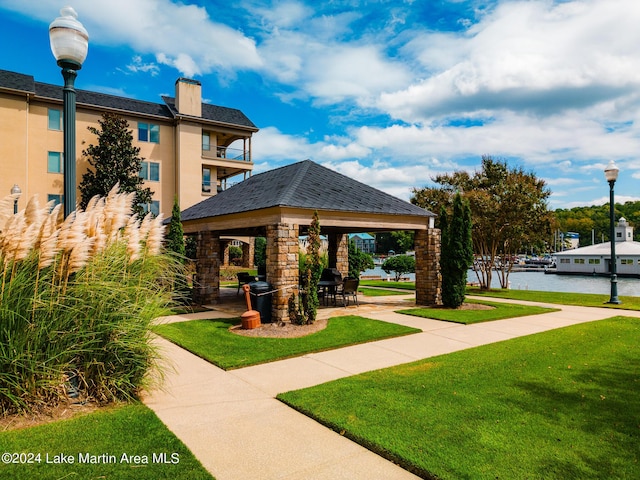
(138, 65)
(395, 180)
(537, 55)
(312, 55)
(274, 146)
(179, 35)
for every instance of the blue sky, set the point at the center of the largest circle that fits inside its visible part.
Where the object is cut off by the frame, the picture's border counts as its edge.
(390, 93)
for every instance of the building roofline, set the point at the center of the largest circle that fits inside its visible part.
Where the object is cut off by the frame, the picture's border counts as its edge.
(19, 83)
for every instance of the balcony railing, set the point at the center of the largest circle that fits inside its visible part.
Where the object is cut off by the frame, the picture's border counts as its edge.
(208, 186)
(227, 153)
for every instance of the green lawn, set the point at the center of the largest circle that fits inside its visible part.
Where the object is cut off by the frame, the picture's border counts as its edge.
(562, 404)
(498, 312)
(385, 284)
(380, 292)
(131, 441)
(565, 298)
(212, 340)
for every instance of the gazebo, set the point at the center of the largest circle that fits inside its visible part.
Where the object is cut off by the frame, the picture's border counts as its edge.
(279, 205)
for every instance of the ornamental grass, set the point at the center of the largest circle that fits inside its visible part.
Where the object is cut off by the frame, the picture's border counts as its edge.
(77, 296)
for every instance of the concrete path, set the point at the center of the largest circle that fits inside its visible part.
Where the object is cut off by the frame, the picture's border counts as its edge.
(235, 427)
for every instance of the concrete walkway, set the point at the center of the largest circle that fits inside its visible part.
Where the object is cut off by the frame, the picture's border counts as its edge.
(235, 427)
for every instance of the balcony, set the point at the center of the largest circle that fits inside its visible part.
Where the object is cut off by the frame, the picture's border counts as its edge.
(227, 153)
(208, 188)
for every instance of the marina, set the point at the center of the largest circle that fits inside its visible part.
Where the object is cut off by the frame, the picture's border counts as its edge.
(537, 280)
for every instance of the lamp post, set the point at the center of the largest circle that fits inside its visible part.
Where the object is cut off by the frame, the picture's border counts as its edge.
(69, 44)
(611, 174)
(16, 191)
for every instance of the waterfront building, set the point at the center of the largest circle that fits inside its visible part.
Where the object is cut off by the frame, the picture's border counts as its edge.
(365, 242)
(596, 259)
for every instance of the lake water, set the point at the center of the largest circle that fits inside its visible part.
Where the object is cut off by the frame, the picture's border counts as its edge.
(551, 283)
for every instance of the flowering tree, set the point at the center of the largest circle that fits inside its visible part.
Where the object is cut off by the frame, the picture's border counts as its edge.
(508, 208)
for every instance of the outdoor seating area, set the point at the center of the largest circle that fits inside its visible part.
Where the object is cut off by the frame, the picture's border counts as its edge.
(244, 278)
(279, 205)
(349, 289)
(330, 282)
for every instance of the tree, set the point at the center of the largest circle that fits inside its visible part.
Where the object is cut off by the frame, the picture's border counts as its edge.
(260, 252)
(175, 242)
(399, 241)
(114, 160)
(359, 261)
(593, 222)
(400, 265)
(457, 252)
(508, 208)
(175, 235)
(314, 268)
(307, 309)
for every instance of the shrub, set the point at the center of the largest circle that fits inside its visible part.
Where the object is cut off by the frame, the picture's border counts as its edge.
(399, 265)
(359, 261)
(76, 300)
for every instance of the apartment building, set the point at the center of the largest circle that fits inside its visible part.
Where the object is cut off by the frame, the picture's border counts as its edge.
(190, 149)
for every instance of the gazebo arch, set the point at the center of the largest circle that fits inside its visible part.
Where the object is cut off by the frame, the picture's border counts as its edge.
(279, 205)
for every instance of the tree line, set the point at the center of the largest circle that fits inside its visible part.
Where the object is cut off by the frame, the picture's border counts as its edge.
(592, 223)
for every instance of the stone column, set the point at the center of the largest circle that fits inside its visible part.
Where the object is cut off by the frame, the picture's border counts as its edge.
(224, 246)
(248, 251)
(282, 266)
(338, 252)
(428, 277)
(206, 289)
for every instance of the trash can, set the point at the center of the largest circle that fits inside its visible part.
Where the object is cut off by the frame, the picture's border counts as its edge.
(261, 299)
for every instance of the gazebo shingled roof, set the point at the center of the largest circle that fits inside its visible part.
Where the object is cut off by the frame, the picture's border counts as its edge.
(304, 185)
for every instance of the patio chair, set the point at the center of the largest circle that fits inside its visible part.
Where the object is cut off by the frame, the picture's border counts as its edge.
(348, 289)
(243, 279)
(326, 292)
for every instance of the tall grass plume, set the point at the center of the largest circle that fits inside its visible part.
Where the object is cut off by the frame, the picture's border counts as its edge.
(76, 300)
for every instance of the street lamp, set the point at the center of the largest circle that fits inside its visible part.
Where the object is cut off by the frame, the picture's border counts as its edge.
(16, 191)
(69, 44)
(611, 174)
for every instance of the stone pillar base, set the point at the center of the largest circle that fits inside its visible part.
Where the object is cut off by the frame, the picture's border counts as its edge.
(282, 266)
(206, 288)
(428, 277)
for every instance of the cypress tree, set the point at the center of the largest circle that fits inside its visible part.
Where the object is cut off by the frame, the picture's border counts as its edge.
(457, 252)
(175, 235)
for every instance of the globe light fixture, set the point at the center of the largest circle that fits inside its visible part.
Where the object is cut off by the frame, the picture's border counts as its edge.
(611, 175)
(69, 44)
(16, 191)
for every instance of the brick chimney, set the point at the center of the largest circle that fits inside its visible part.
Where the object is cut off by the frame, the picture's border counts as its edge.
(189, 97)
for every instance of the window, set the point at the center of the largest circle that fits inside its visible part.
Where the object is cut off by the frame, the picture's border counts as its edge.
(578, 260)
(565, 260)
(56, 198)
(150, 171)
(206, 141)
(594, 261)
(153, 207)
(626, 261)
(148, 132)
(206, 180)
(618, 234)
(54, 162)
(55, 119)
